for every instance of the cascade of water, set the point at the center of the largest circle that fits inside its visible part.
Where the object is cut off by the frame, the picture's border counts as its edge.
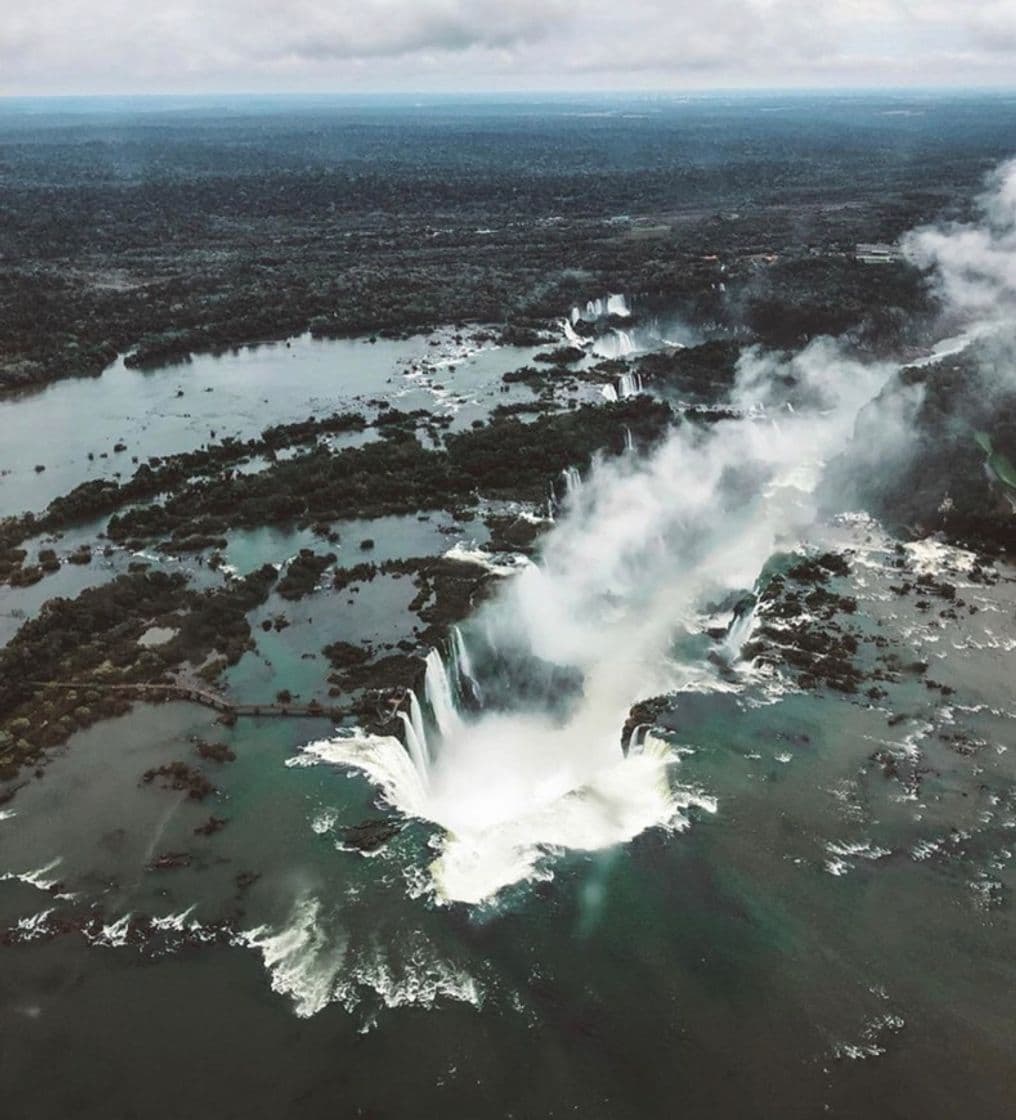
(610, 393)
(438, 690)
(637, 738)
(629, 443)
(464, 665)
(739, 630)
(618, 305)
(630, 385)
(572, 337)
(572, 481)
(625, 343)
(416, 718)
(415, 744)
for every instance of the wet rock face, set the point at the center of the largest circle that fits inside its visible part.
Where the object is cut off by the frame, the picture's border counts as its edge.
(644, 713)
(801, 625)
(211, 826)
(170, 861)
(181, 777)
(370, 836)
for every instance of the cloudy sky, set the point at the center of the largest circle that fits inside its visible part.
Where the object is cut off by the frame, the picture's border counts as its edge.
(196, 46)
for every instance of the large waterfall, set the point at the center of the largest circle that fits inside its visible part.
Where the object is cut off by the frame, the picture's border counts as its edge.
(514, 749)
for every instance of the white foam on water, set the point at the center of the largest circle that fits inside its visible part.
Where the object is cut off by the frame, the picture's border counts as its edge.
(420, 978)
(499, 563)
(35, 878)
(313, 963)
(930, 556)
(33, 928)
(113, 936)
(324, 821)
(871, 1044)
(301, 960)
(176, 923)
(842, 852)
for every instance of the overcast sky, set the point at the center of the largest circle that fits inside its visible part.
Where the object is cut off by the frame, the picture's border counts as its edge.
(199, 46)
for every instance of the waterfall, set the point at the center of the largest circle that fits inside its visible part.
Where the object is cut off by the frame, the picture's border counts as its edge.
(572, 481)
(637, 739)
(629, 385)
(551, 504)
(464, 668)
(611, 304)
(739, 630)
(571, 336)
(584, 633)
(438, 690)
(618, 305)
(617, 344)
(610, 393)
(415, 744)
(629, 443)
(416, 719)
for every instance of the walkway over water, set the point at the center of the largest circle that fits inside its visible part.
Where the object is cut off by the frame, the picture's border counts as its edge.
(203, 696)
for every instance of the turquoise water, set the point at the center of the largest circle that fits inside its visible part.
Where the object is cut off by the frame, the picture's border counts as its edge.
(237, 394)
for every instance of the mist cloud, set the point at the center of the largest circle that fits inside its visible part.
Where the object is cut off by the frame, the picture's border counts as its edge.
(229, 45)
(974, 264)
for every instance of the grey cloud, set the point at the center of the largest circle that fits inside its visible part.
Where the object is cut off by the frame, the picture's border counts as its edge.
(194, 45)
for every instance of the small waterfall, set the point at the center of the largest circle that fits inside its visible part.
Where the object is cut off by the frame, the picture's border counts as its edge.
(629, 385)
(629, 443)
(637, 739)
(438, 690)
(572, 481)
(618, 305)
(610, 393)
(739, 630)
(611, 304)
(464, 669)
(616, 344)
(571, 336)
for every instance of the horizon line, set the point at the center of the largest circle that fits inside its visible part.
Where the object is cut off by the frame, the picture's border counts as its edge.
(534, 91)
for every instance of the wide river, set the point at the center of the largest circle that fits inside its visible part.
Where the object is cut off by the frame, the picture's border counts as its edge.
(811, 934)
